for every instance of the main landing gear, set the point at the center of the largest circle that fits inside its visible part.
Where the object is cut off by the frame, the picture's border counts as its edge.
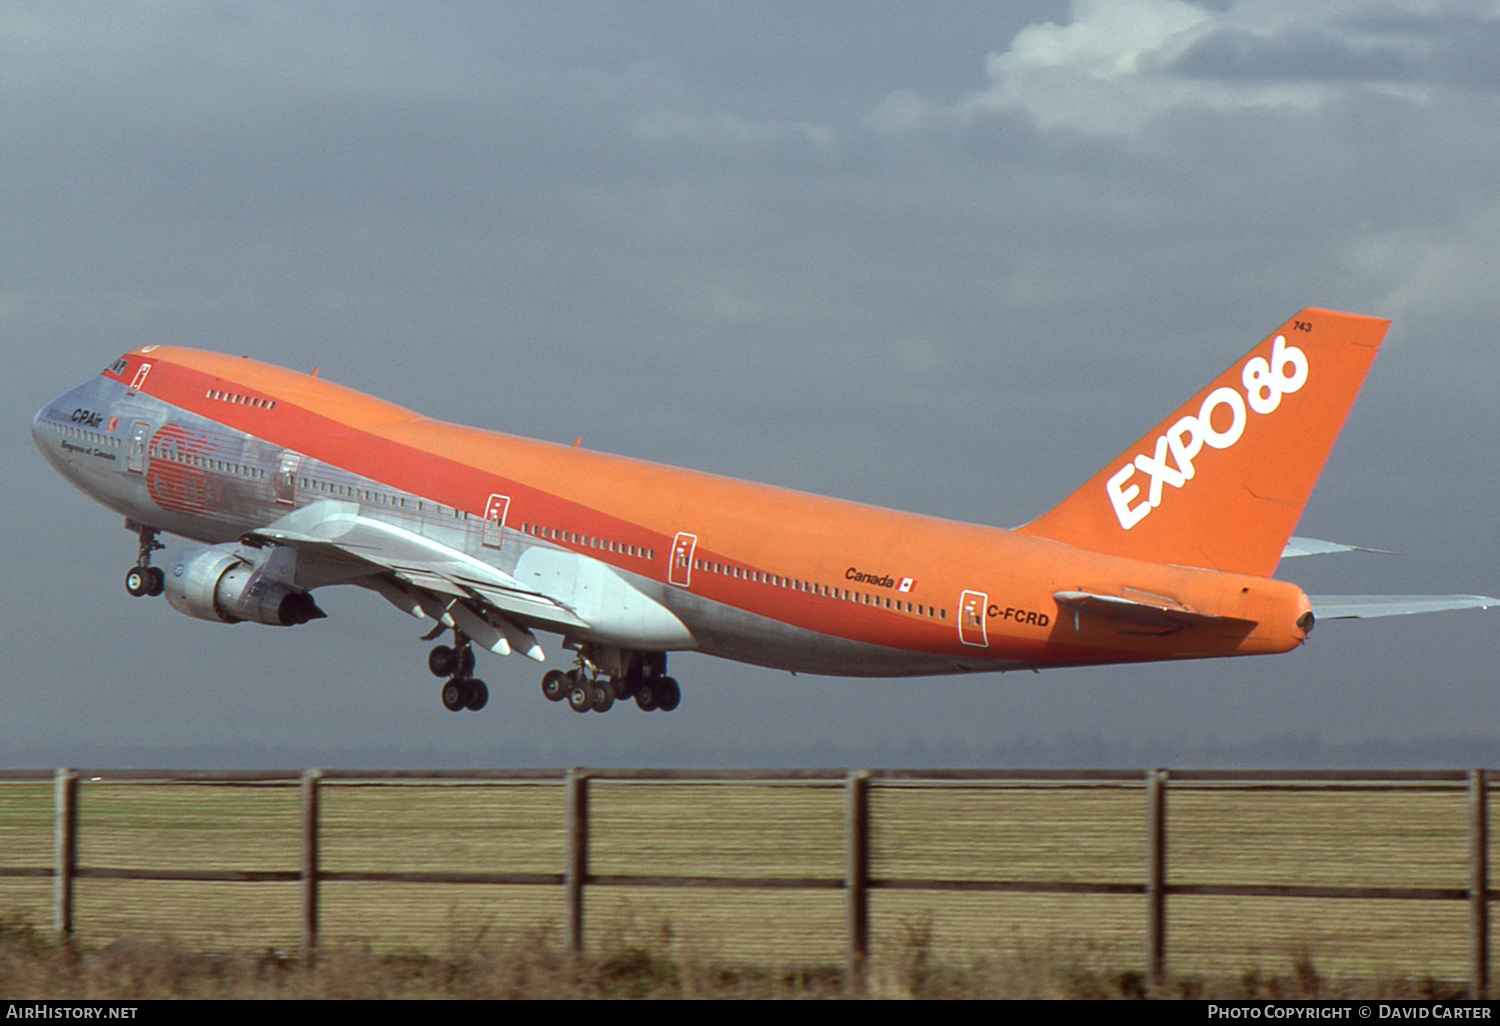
(603, 677)
(143, 578)
(461, 691)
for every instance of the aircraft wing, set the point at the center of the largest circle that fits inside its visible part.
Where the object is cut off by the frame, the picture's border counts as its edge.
(335, 544)
(1348, 607)
(1160, 614)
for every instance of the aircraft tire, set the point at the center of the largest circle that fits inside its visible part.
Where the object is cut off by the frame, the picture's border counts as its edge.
(455, 695)
(671, 694)
(604, 697)
(440, 661)
(581, 696)
(479, 695)
(645, 696)
(158, 581)
(555, 686)
(138, 580)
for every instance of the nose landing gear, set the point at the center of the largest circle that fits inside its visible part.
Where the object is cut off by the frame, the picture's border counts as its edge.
(143, 578)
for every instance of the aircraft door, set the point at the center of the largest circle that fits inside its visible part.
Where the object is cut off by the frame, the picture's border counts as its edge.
(971, 606)
(680, 572)
(494, 520)
(286, 478)
(135, 455)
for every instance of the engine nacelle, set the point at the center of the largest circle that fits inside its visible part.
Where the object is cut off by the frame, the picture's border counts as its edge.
(215, 583)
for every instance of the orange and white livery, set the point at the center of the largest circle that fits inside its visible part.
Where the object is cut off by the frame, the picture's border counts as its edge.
(288, 483)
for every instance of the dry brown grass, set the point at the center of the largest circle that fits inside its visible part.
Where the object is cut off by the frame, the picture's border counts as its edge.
(32, 967)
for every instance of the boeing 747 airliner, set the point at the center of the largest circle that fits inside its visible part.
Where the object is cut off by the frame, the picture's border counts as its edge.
(290, 483)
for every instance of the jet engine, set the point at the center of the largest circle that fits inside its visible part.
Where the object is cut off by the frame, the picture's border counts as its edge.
(216, 583)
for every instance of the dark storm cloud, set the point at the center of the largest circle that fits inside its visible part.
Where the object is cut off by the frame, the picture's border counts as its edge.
(1453, 46)
(1455, 49)
(1292, 55)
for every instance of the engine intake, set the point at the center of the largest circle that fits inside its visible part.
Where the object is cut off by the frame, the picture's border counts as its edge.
(215, 583)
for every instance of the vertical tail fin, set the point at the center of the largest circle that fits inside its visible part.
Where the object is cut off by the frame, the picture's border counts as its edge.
(1221, 482)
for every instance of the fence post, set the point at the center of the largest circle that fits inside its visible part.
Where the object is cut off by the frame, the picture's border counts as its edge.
(577, 842)
(1156, 880)
(857, 878)
(309, 869)
(64, 849)
(1479, 881)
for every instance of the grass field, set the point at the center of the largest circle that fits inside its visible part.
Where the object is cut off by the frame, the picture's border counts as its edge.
(1075, 834)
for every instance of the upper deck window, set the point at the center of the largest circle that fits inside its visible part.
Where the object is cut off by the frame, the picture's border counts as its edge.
(244, 400)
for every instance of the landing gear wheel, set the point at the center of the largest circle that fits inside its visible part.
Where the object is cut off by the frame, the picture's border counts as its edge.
(479, 694)
(581, 697)
(645, 695)
(555, 686)
(440, 661)
(669, 694)
(455, 695)
(138, 580)
(604, 697)
(143, 578)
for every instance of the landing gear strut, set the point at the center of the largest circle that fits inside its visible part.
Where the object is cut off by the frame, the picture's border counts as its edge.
(604, 676)
(460, 691)
(143, 578)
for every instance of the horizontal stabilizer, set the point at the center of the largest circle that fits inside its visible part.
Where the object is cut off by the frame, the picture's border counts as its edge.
(1148, 614)
(1351, 607)
(1296, 546)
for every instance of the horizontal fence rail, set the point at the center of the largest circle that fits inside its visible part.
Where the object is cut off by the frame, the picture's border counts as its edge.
(861, 839)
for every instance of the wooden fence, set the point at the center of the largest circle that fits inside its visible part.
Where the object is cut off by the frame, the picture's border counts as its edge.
(856, 881)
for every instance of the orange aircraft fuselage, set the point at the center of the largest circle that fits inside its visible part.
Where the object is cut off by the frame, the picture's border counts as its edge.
(1164, 554)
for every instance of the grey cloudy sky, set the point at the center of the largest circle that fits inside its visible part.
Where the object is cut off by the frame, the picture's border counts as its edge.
(948, 258)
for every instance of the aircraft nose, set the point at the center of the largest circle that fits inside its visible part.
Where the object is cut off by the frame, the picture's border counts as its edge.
(47, 424)
(45, 435)
(39, 429)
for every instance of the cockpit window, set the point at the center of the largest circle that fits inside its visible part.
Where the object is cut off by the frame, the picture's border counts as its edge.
(118, 367)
